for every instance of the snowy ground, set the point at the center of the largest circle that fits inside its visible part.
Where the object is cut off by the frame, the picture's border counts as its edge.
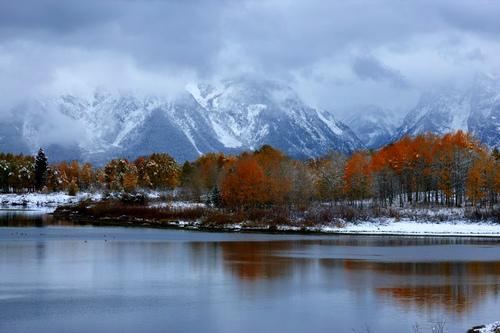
(491, 328)
(177, 204)
(449, 213)
(48, 202)
(411, 227)
(377, 227)
(42, 202)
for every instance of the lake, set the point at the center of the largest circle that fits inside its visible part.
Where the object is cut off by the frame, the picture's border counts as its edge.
(58, 277)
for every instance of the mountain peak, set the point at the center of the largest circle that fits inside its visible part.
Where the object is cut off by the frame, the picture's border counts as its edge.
(373, 125)
(228, 116)
(475, 108)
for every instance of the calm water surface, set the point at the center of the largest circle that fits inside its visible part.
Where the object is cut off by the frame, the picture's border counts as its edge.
(55, 277)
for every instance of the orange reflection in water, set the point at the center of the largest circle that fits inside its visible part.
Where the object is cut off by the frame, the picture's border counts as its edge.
(454, 298)
(453, 286)
(257, 260)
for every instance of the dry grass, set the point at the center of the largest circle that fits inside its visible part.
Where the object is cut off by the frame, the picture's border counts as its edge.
(115, 209)
(273, 216)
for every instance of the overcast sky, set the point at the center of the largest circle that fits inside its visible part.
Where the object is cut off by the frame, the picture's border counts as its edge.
(335, 53)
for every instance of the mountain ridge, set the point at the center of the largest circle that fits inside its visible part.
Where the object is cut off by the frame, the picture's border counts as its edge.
(234, 116)
(474, 108)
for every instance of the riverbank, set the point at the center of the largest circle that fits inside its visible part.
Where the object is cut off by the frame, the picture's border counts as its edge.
(378, 227)
(196, 217)
(91, 208)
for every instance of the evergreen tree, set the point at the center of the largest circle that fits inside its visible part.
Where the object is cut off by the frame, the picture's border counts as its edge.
(40, 169)
(496, 154)
(186, 172)
(214, 197)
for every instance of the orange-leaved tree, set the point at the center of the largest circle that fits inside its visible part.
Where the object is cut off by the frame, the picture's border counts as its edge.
(244, 184)
(357, 177)
(277, 178)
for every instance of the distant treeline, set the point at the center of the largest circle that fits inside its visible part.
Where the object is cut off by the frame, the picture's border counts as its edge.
(451, 170)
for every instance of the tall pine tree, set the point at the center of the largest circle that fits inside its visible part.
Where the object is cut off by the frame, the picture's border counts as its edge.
(40, 170)
(496, 154)
(214, 197)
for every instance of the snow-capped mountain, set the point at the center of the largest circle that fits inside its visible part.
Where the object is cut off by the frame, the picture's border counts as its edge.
(230, 116)
(475, 109)
(248, 114)
(373, 125)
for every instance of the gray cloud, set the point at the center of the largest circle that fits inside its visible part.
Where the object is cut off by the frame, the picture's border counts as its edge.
(315, 45)
(369, 67)
(57, 17)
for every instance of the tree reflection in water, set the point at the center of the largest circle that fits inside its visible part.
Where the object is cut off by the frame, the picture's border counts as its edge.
(257, 260)
(453, 287)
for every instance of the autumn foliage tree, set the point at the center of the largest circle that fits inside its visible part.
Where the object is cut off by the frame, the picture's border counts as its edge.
(158, 171)
(453, 169)
(130, 178)
(430, 169)
(477, 180)
(357, 177)
(115, 172)
(277, 174)
(17, 173)
(328, 172)
(205, 174)
(455, 155)
(244, 184)
(86, 176)
(302, 181)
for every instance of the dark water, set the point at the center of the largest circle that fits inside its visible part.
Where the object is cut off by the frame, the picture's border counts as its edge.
(55, 277)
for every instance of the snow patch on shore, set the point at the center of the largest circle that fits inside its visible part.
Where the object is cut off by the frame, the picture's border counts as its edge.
(387, 226)
(46, 202)
(410, 227)
(178, 204)
(490, 328)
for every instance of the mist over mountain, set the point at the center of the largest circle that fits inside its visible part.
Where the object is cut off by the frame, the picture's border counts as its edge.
(474, 108)
(231, 116)
(332, 56)
(373, 125)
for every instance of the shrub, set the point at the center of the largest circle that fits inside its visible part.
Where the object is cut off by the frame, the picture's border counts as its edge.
(319, 216)
(115, 209)
(222, 218)
(134, 198)
(73, 188)
(279, 220)
(349, 213)
(484, 214)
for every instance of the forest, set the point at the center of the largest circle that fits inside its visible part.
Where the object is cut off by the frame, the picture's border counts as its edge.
(453, 170)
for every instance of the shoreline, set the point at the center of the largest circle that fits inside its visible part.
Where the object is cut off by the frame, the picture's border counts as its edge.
(348, 230)
(412, 222)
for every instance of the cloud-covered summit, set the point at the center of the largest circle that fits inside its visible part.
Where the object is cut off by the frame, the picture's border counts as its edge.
(334, 53)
